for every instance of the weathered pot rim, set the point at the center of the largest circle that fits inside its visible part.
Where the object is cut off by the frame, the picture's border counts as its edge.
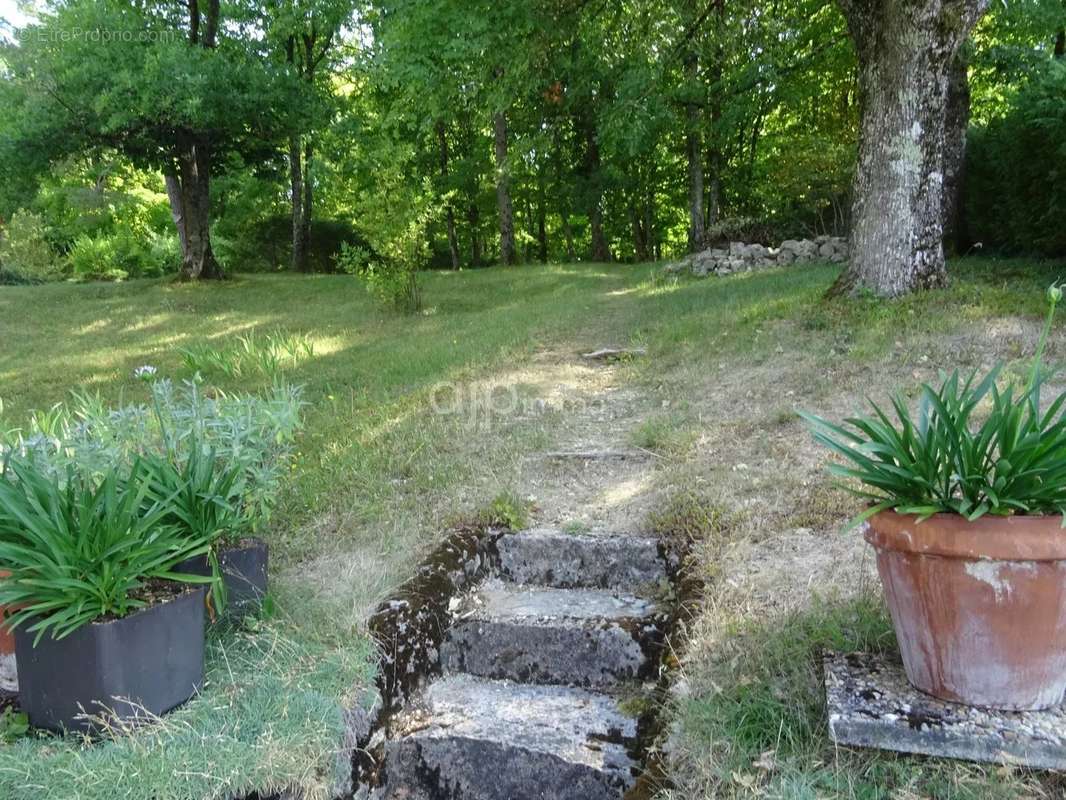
(1017, 538)
(100, 622)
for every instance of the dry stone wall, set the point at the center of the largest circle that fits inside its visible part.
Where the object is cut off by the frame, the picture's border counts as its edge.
(741, 257)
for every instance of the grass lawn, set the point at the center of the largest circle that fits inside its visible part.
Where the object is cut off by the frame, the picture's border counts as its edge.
(385, 464)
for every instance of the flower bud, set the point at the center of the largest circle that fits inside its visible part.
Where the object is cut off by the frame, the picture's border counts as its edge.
(1054, 293)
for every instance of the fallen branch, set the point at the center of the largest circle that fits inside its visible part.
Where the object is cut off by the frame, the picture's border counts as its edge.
(614, 353)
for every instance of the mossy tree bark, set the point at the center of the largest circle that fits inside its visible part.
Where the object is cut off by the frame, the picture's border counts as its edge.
(905, 50)
(189, 190)
(694, 154)
(503, 191)
(188, 179)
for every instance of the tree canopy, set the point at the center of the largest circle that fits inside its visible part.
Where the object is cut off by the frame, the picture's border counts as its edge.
(516, 131)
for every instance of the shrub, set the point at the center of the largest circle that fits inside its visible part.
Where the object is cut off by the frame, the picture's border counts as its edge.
(122, 255)
(24, 250)
(1015, 194)
(251, 433)
(79, 550)
(507, 511)
(1013, 462)
(737, 229)
(395, 222)
(394, 284)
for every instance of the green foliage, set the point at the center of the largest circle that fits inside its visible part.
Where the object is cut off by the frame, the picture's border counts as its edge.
(576, 527)
(249, 354)
(24, 249)
(395, 224)
(13, 725)
(1015, 187)
(199, 495)
(79, 550)
(689, 515)
(249, 433)
(144, 90)
(768, 691)
(1011, 462)
(394, 284)
(353, 259)
(123, 255)
(507, 511)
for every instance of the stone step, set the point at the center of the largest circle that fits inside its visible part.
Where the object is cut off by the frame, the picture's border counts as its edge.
(574, 637)
(474, 739)
(568, 561)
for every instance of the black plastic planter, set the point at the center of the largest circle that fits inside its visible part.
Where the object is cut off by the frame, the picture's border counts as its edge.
(143, 664)
(244, 571)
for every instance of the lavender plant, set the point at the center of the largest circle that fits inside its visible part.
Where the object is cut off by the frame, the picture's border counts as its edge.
(251, 434)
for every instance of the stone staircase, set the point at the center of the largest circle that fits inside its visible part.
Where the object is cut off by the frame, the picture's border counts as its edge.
(534, 665)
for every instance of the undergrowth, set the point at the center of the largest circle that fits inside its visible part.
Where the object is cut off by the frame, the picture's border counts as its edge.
(506, 511)
(689, 515)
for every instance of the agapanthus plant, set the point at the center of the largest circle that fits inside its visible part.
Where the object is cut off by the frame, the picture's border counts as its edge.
(948, 458)
(81, 549)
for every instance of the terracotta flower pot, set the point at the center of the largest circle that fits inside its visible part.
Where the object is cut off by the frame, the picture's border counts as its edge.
(7, 638)
(979, 607)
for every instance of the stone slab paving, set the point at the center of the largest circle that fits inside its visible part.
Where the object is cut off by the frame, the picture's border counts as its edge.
(484, 740)
(574, 637)
(553, 558)
(534, 657)
(496, 600)
(871, 704)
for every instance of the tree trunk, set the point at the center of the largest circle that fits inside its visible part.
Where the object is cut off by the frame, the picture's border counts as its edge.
(956, 123)
(189, 191)
(695, 185)
(309, 206)
(693, 147)
(449, 211)
(649, 218)
(905, 51)
(542, 218)
(188, 181)
(503, 191)
(177, 208)
(473, 218)
(568, 235)
(640, 234)
(296, 190)
(714, 193)
(713, 202)
(600, 251)
(1060, 40)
